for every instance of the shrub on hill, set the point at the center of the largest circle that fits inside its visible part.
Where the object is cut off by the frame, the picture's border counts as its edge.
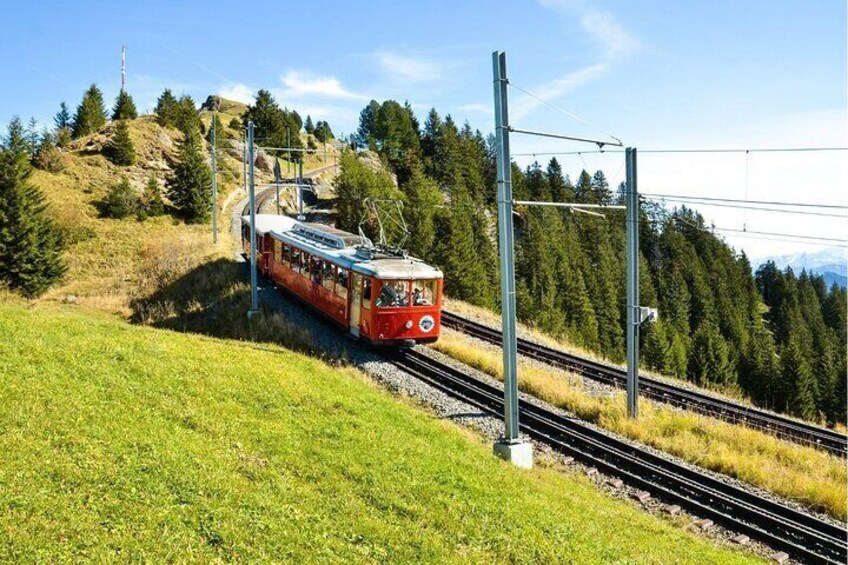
(151, 203)
(48, 157)
(120, 148)
(121, 200)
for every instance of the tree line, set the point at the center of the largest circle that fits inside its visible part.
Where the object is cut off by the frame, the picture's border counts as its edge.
(777, 338)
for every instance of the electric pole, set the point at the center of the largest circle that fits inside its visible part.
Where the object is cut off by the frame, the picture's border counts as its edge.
(123, 68)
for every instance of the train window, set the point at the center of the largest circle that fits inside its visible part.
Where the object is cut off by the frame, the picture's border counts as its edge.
(341, 283)
(295, 261)
(423, 292)
(366, 293)
(304, 264)
(315, 267)
(328, 275)
(394, 294)
(286, 259)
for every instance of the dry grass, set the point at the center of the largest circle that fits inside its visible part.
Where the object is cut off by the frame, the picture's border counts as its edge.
(804, 474)
(493, 319)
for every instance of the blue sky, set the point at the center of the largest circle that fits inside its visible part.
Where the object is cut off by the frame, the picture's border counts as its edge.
(658, 73)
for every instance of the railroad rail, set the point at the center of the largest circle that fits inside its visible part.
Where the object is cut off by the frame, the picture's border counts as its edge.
(802, 536)
(775, 424)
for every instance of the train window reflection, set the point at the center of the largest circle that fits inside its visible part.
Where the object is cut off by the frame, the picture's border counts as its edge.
(366, 294)
(328, 275)
(341, 283)
(394, 294)
(423, 292)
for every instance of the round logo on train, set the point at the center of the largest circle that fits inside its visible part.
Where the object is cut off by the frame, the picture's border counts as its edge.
(426, 323)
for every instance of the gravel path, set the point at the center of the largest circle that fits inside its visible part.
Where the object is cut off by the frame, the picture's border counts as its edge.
(337, 347)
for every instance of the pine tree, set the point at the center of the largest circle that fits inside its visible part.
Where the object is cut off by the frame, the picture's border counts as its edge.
(323, 132)
(33, 137)
(30, 242)
(799, 381)
(364, 136)
(308, 127)
(62, 119)
(422, 197)
(90, 116)
(151, 199)
(190, 183)
(120, 149)
(124, 107)
(655, 351)
(185, 116)
(708, 358)
(121, 200)
(166, 109)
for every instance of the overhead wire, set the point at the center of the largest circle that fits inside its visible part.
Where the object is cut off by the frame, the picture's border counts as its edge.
(743, 207)
(789, 237)
(736, 200)
(571, 115)
(691, 150)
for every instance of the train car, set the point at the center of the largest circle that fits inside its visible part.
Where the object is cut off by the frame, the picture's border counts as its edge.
(377, 295)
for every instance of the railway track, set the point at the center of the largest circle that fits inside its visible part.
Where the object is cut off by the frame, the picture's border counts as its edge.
(775, 424)
(802, 536)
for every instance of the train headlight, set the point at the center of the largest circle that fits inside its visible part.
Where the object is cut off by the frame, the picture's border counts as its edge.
(408, 324)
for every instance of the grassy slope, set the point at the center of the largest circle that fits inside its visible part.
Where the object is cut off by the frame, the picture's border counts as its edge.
(807, 475)
(126, 443)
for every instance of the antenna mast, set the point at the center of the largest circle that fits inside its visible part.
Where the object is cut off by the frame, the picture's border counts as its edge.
(123, 68)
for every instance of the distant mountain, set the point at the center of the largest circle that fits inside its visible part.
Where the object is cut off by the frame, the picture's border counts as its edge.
(829, 263)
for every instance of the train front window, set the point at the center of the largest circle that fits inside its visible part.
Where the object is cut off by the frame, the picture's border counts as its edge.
(286, 254)
(424, 292)
(295, 263)
(394, 294)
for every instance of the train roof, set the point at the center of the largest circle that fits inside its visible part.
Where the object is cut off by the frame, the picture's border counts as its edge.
(351, 251)
(266, 223)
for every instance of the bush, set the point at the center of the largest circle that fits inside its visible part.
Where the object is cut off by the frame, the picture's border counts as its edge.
(151, 200)
(121, 200)
(50, 159)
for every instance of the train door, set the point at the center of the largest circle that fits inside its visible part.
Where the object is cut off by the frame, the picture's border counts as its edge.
(355, 303)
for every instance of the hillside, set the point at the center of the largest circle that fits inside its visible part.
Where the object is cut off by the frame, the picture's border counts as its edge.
(109, 260)
(127, 443)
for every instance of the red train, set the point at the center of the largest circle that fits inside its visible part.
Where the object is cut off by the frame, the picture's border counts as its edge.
(380, 297)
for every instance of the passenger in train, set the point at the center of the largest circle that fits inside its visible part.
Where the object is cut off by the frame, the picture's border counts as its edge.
(393, 295)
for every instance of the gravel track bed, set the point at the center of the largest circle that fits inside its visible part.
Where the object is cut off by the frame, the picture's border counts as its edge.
(337, 347)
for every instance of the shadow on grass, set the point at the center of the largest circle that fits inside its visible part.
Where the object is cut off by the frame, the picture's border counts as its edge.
(212, 299)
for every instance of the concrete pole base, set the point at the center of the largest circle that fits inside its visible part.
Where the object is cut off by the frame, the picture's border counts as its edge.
(251, 314)
(519, 453)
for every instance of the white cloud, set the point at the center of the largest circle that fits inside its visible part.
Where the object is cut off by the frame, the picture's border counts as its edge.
(408, 69)
(604, 29)
(524, 105)
(237, 92)
(299, 84)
